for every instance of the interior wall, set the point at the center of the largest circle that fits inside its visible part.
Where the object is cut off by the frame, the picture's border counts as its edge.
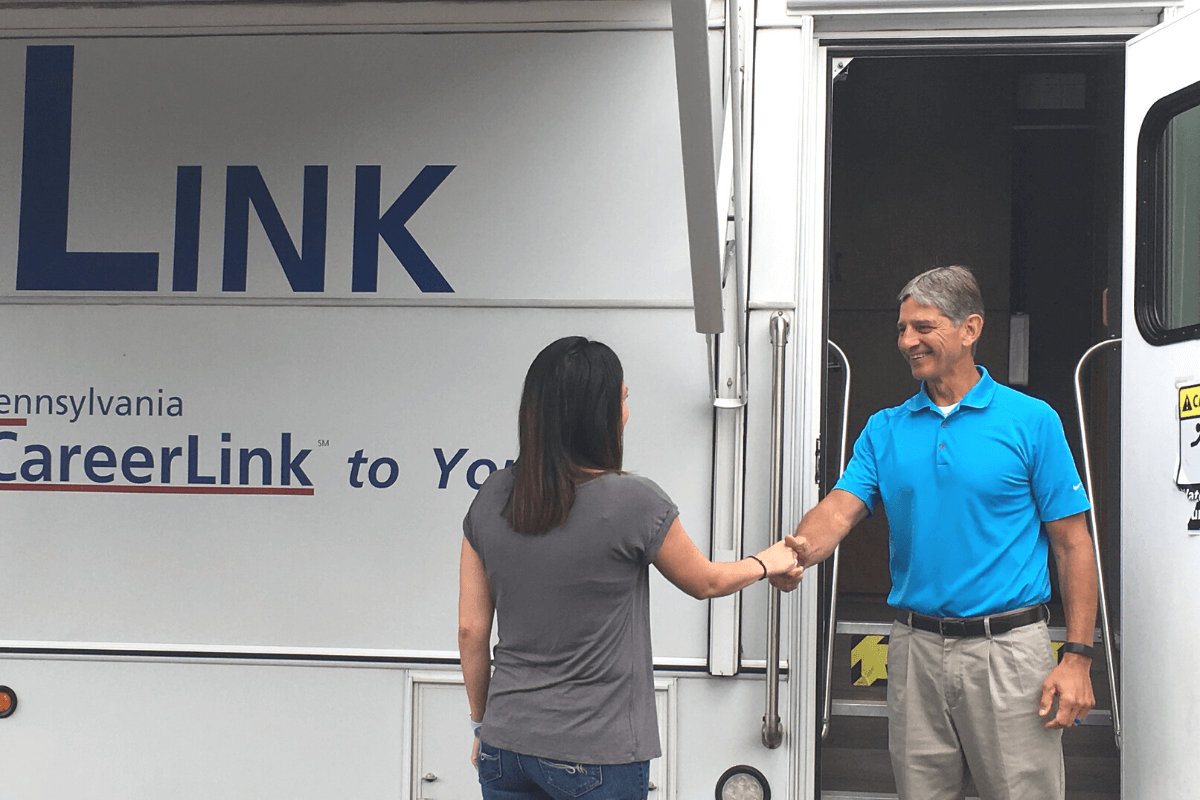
(991, 163)
(921, 177)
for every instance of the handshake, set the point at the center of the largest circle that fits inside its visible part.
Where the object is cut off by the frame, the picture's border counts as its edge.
(785, 562)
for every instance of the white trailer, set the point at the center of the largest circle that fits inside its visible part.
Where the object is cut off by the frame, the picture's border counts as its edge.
(271, 274)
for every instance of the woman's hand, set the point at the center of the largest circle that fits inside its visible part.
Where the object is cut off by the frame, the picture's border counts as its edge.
(783, 567)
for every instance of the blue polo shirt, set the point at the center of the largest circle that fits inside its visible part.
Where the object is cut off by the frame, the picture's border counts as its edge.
(965, 497)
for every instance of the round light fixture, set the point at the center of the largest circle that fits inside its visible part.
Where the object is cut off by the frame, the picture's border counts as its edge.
(743, 783)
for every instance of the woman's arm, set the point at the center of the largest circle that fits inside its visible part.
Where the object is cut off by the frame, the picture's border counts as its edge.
(682, 563)
(475, 611)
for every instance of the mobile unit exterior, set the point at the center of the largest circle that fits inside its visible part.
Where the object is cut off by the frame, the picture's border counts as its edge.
(271, 288)
(267, 305)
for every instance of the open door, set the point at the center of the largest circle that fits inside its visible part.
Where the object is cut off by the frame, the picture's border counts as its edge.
(1160, 418)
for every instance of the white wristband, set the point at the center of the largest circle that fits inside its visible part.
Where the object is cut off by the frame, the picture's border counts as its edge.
(475, 726)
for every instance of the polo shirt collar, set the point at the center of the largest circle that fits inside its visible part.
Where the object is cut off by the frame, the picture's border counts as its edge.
(980, 395)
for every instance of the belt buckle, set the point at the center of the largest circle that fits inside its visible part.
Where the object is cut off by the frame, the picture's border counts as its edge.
(953, 628)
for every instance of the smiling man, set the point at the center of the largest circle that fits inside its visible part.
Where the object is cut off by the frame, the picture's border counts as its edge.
(978, 482)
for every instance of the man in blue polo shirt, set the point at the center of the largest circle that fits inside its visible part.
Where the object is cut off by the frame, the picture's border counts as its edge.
(977, 481)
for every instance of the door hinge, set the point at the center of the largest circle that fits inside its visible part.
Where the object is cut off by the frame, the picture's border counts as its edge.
(817, 458)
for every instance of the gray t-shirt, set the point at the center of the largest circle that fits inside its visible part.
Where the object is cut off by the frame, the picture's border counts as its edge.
(573, 674)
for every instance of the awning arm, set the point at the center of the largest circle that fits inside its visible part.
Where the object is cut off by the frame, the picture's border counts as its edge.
(690, 29)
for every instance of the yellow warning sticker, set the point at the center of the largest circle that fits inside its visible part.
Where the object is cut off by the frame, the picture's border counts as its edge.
(868, 660)
(1189, 401)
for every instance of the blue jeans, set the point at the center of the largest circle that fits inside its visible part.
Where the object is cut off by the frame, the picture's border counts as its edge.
(505, 775)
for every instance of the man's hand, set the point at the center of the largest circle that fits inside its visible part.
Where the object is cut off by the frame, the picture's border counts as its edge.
(1071, 683)
(783, 569)
(788, 581)
(801, 547)
(475, 753)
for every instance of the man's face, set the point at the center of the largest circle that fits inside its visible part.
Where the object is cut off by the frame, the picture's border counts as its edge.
(932, 345)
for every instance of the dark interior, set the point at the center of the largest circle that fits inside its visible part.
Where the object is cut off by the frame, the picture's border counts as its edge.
(1011, 165)
(942, 160)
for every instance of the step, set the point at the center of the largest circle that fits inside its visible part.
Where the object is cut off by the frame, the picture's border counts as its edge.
(885, 796)
(860, 672)
(855, 761)
(864, 796)
(839, 795)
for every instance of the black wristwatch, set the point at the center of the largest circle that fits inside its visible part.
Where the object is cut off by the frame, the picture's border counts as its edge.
(1078, 648)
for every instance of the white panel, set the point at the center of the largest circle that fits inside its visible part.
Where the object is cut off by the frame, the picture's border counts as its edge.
(442, 740)
(1159, 559)
(441, 769)
(720, 722)
(664, 771)
(977, 6)
(343, 567)
(808, 354)
(154, 17)
(145, 731)
(781, 76)
(567, 180)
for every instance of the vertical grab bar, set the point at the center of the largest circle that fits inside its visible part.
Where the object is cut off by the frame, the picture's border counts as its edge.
(772, 729)
(1091, 515)
(833, 579)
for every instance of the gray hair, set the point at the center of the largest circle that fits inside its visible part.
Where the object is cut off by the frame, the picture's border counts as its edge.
(951, 290)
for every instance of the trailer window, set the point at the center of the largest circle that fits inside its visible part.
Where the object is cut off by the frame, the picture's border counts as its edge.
(1167, 298)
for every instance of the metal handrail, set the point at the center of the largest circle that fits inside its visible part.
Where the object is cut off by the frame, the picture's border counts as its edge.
(827, 712)
(1106, 633)
(772, 729)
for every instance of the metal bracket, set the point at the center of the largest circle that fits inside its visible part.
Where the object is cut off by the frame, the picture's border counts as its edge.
(727, 352)
(839, 67)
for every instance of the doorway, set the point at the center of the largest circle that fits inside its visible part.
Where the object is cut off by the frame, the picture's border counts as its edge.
(1010, 165)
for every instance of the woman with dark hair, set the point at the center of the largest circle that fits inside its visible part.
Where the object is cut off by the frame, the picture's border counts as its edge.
(559, 547)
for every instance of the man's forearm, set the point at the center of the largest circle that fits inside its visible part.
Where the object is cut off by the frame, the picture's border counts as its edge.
(817, 529)
(1076, 576)
(826, 524)
(1078, 582)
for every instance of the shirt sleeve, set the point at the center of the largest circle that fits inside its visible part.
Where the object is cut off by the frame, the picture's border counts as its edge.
(468, 528)
(659, 531)
(1057, 489)
(861, 477)
(655, 513)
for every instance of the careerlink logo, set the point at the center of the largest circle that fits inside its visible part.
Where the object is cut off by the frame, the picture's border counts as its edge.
(44, 263)
(172, 469)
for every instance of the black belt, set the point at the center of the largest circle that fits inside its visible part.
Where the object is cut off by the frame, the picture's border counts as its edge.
(991, 625)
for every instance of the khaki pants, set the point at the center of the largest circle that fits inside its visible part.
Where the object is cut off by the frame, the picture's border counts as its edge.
(956, 703)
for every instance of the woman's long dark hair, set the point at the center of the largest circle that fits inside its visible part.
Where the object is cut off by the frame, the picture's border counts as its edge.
(569, 425)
